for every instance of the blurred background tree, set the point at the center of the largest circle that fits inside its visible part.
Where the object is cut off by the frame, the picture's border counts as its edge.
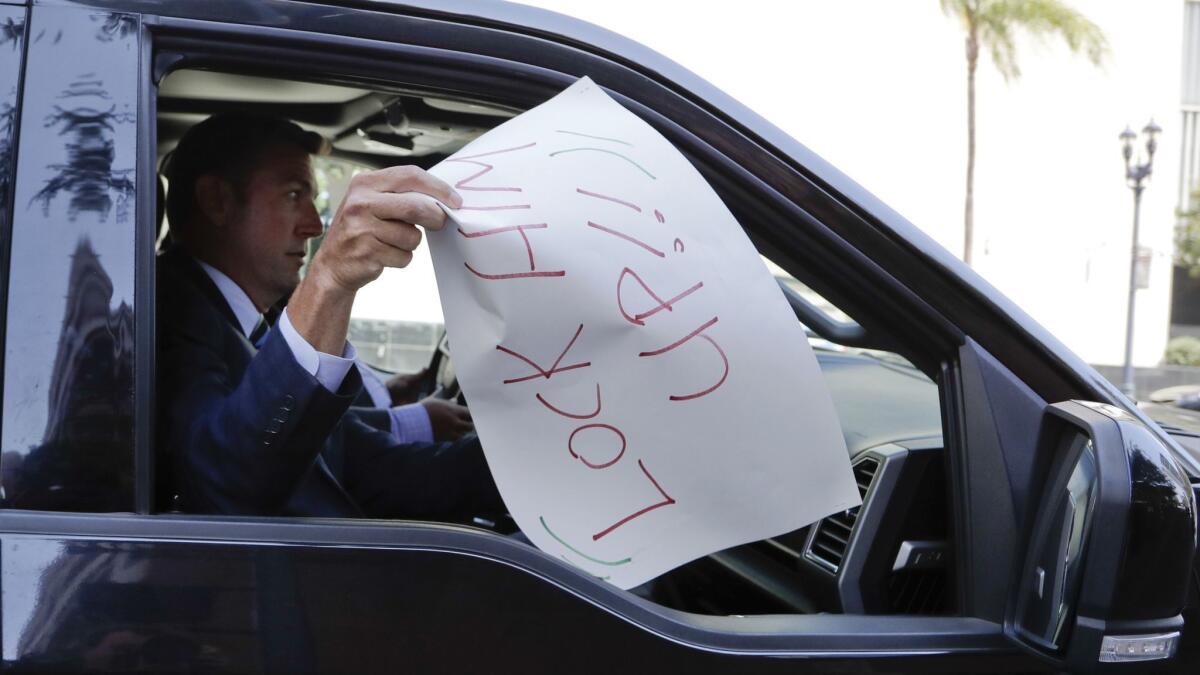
(992, 25)
(1183, 351)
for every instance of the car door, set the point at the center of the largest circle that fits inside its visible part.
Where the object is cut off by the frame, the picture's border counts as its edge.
(97, 575)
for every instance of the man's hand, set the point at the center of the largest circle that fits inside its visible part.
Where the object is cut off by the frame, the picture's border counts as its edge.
(404, 388)
(448, 419)
(375, 227)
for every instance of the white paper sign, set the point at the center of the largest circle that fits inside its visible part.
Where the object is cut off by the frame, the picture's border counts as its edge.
(643, 392)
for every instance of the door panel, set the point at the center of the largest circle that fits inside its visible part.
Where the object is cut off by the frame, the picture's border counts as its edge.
(436, 599)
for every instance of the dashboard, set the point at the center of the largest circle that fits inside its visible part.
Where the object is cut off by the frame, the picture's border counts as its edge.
(892, 555)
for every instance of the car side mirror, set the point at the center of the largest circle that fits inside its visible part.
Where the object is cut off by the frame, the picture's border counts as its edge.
(1110, 543)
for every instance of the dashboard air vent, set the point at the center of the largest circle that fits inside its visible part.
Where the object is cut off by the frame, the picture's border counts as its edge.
(917, 592)
(831, 536)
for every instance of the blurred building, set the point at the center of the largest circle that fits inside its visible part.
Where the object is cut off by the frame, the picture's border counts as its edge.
(1185, 293)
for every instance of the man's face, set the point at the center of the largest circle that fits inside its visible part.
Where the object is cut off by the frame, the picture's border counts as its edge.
(269, 230)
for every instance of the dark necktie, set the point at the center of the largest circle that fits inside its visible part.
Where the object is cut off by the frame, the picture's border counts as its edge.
(260, 332)
(265, 321)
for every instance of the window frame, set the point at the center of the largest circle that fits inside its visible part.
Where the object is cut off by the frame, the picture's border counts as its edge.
(6, 218)
(145, 238)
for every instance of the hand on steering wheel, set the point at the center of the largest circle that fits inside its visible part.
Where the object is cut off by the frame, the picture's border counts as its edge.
(407, 387)
(450, 421)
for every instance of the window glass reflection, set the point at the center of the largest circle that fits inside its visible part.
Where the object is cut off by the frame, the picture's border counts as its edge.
(67, 438)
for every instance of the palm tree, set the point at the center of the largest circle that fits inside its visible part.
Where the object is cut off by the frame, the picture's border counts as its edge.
(992, 24)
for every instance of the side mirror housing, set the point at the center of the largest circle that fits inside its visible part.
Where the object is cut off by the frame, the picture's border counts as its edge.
(1110, 546)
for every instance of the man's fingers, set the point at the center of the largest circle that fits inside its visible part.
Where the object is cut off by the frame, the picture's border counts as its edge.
(399, 235)
(462, 420)
(408, 207)
(412, 179)
(391, 256)
(460, 412)
(377, 223)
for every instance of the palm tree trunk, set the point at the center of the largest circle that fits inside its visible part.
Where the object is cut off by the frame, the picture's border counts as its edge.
(969, 205)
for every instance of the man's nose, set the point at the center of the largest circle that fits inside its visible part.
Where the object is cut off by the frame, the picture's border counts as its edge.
(310, 224)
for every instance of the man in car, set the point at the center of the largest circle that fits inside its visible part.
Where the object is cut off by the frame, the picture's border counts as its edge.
(256, 419)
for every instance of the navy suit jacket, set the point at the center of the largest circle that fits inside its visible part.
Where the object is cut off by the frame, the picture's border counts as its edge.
(249, 431)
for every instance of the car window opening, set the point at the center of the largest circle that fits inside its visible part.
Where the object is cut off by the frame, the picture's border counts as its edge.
(887, 407)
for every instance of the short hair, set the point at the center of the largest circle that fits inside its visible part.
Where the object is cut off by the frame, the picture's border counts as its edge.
(228, 145)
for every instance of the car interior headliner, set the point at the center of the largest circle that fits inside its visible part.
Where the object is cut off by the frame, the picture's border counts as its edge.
(373, 127)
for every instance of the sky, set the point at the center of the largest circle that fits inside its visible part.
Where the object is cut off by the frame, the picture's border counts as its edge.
(878, 88)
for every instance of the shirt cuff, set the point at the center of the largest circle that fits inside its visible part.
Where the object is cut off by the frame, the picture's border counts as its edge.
(329, 370)
(410, 424)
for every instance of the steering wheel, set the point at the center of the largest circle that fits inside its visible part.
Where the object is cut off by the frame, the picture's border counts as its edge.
(430, 383)
(440, 379)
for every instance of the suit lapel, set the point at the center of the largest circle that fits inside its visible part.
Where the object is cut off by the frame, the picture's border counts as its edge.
(187, 265)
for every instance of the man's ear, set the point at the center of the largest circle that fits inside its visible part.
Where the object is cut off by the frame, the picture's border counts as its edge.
(215, 199)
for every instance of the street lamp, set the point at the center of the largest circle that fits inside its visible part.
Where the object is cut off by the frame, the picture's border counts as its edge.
(1136, 174)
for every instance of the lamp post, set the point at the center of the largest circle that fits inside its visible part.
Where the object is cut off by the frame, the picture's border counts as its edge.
(1136, 174)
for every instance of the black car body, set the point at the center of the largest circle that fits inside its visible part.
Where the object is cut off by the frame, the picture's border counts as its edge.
(1006, 525)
